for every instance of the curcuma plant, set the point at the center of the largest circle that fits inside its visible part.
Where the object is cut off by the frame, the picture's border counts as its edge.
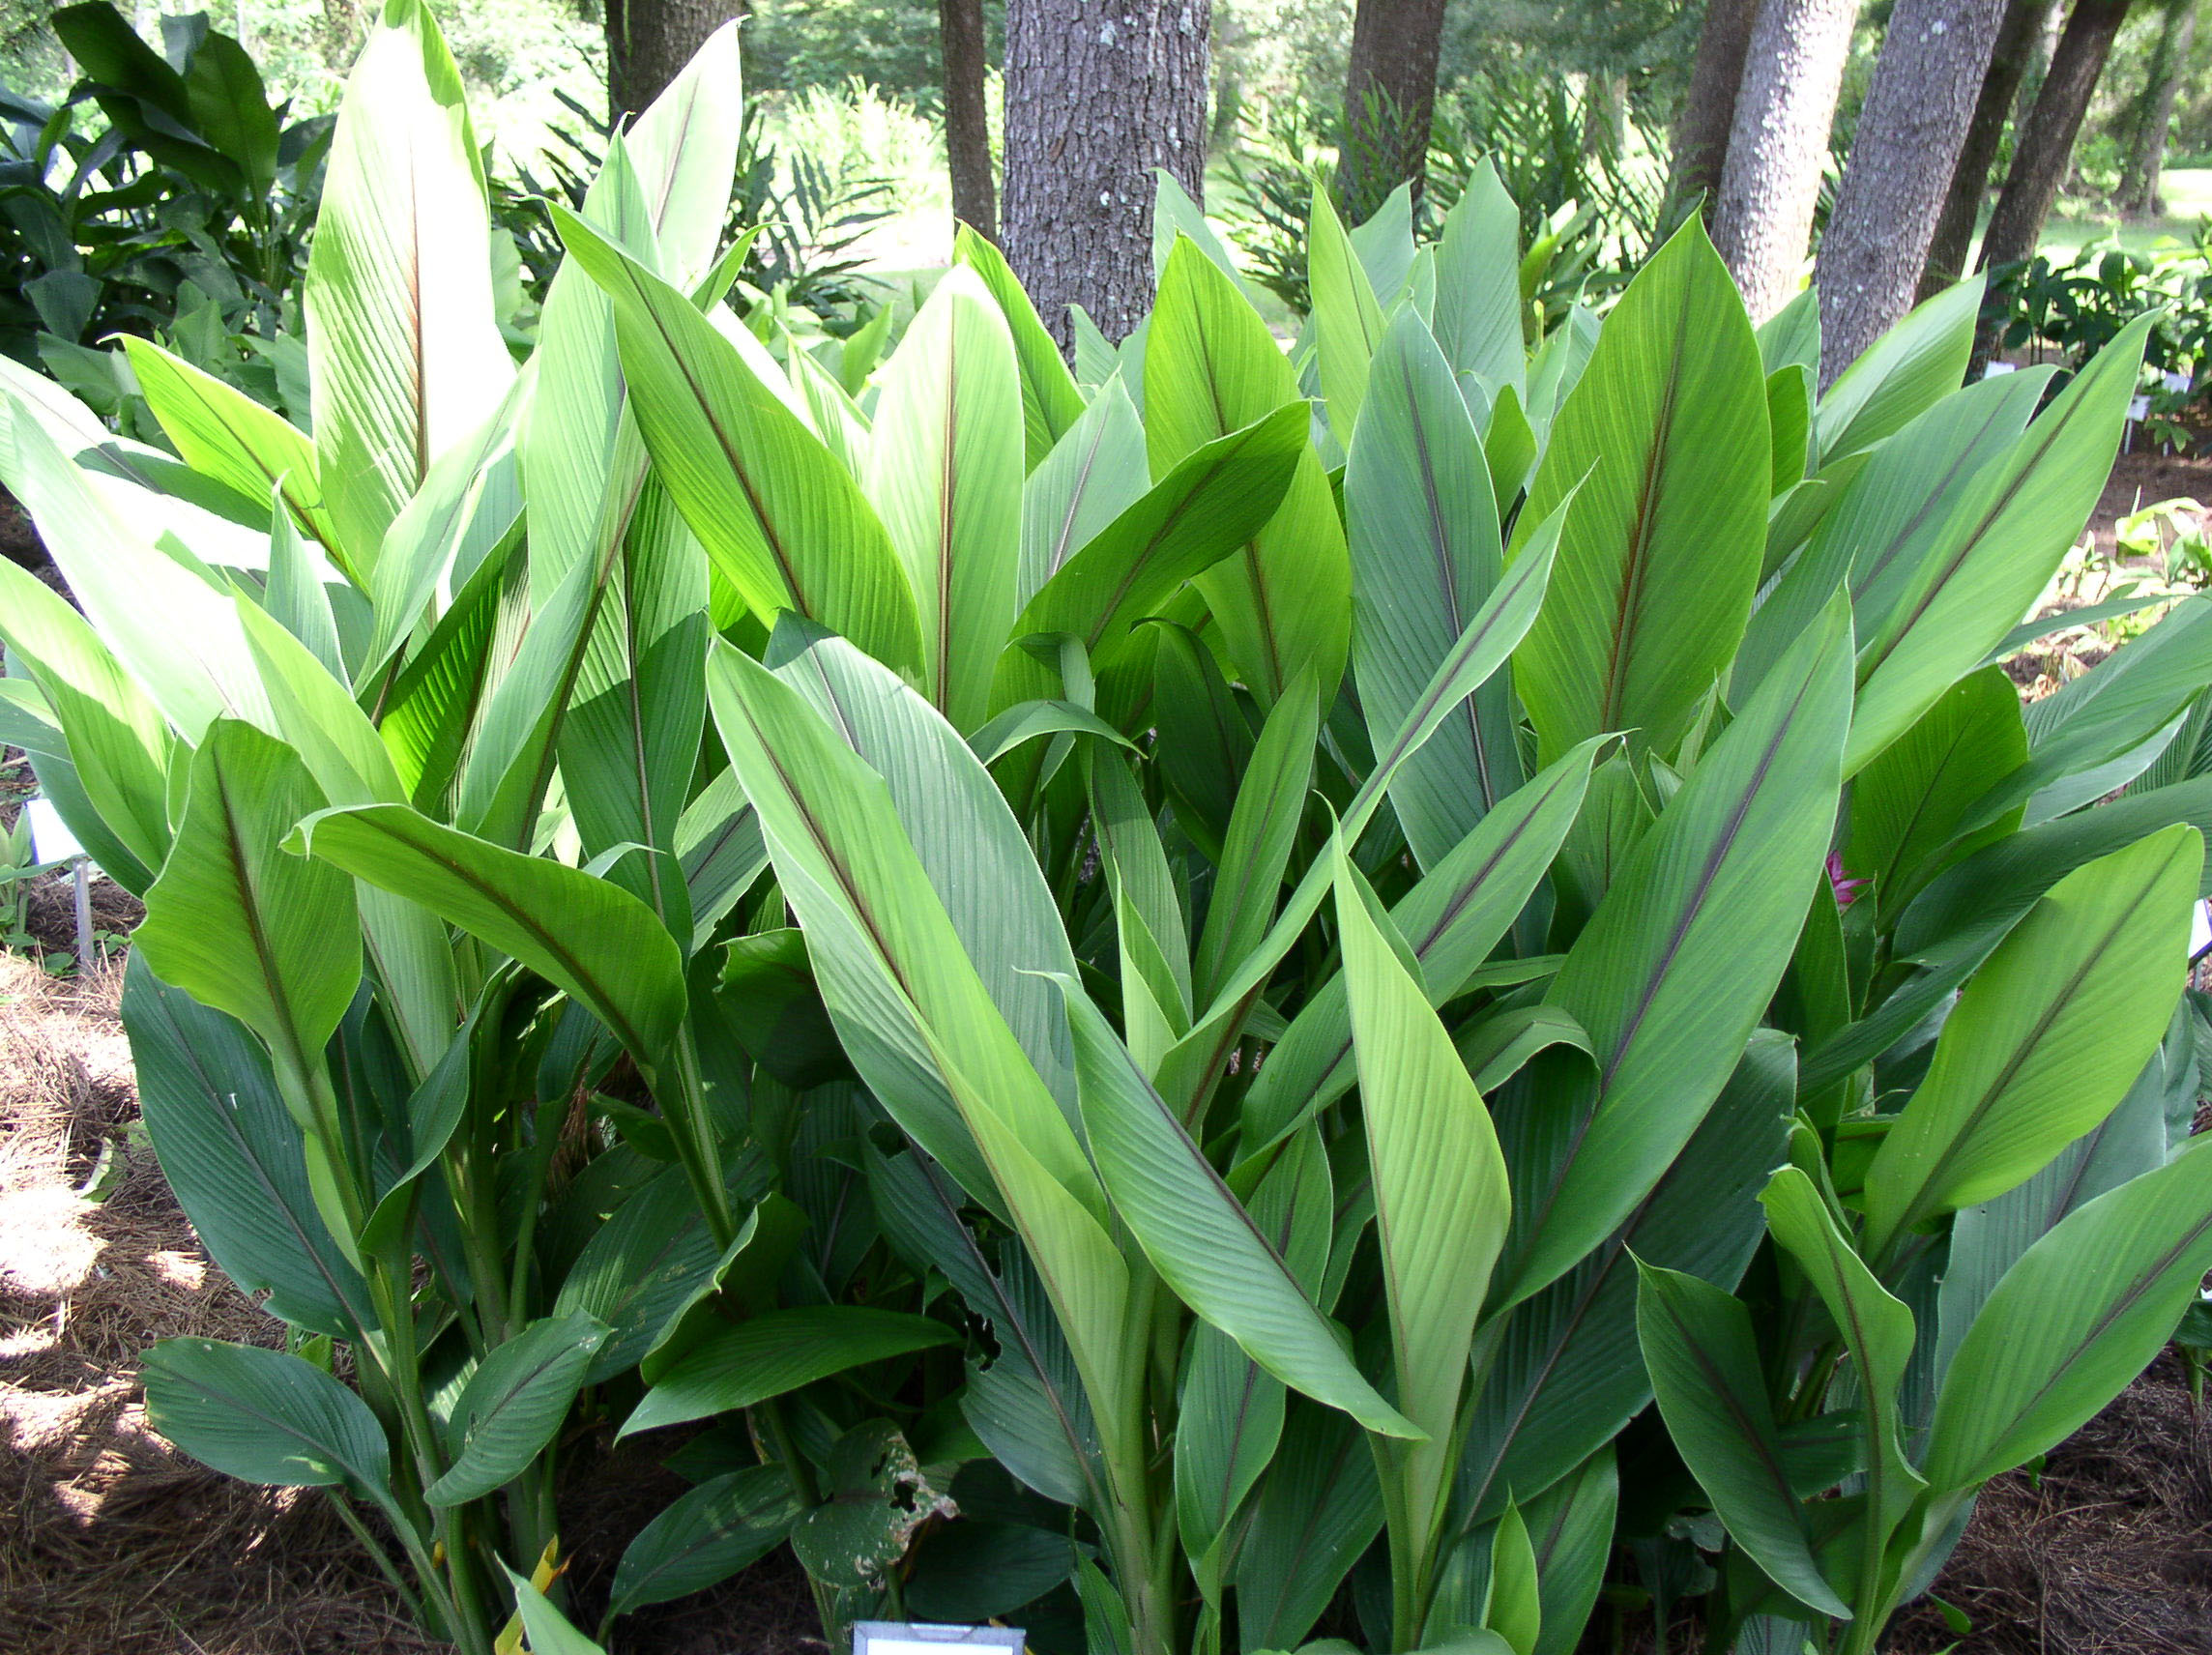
(1216, 997)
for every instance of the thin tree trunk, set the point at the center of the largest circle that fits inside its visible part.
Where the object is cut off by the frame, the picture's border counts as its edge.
(2045, 146)
(1762, 219)
(1933, 60)
(1099, 93)
(967, 116)
(1708, 111)
(2038, 63)
(648, 42)
(1389, 99)
(2146, 150)
(1954, 237)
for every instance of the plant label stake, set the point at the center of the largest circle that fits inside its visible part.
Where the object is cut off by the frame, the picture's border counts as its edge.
(914, 1638)
(51, 840)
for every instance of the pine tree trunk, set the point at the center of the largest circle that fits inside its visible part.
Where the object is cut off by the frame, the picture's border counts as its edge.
(1099, 93)
(1933, 60)
(968, 116)
(2045, 146)
(1954, 238)
(1763, 217)
(1389, 98)
(1708, 111)
(2038, 63)
(648, 42)
(2147, 150)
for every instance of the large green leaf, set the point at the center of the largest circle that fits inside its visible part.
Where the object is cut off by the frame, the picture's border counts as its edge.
(1230, 1409)
(1214, 500)
(1027, 1404)
(2082, 1314)
(1887, 511)
(1347, 320)
(2115, 709)
(779, 1352)
(1197, 1236)
(171, 630)
(1478, 282)
(117, 744)
(782, 518)
(225, 434)
(1698, 1343)
(892, 966)
(1665, 435)
(404, 338)
(639, 1269)
(944, 470)
(1425, 553)
(971, 849)
(265, 1416)
(1677, 965)
(705, 1536)
(1906, 371)
(1878, 1330)
(2002, 539)
(1907, 805)
(241, 925)
(1263, 831)
(1097, 470)
(1442, 1206)
(630, 743)
(1986, 1239)
(588, 937)
(683, 150)
(1562, 1375)
(1316, 1512)
(1051, 404)
(1211, 367)
(1450, 921)
(2046, 1036)
(514, 1403)
(235, 1158)
(1965, 912)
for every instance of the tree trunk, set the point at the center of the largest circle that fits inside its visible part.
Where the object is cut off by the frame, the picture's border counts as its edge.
(2038, 63)
(2045, 146)
(1708, 111)
(1099, 93)
(1389, 96)
(1763, 217)
(2146, 150)
(1933, 60)
(967, 116)
(1954, 238)
(648, 42)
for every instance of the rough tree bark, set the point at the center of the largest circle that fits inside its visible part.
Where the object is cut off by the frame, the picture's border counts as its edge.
(1389, 99)
(2045, 146)
(1763, 217)
(1933, 59)
(1708, 111)
(2140, 191)
(967, 117)
(648, 42)
(1954, 238)
(1099, 93)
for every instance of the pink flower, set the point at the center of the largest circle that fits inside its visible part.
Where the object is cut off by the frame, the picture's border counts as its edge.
(1845, 889)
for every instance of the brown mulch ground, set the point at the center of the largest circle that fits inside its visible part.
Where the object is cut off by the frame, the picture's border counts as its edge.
(2109, 1552)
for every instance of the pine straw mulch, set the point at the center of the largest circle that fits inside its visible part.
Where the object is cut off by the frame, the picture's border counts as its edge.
(2107, 1553)
(110, 1540)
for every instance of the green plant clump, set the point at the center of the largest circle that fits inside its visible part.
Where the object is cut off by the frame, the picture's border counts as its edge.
(1146, 1005)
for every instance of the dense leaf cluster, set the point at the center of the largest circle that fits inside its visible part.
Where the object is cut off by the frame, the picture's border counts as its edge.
(1226, 993)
